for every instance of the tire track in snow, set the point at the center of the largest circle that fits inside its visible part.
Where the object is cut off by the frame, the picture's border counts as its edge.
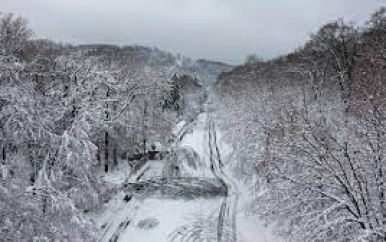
(226, 218)
(227, 227)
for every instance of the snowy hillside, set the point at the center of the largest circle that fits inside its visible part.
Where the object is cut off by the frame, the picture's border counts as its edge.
(111, 143)
(204, 70)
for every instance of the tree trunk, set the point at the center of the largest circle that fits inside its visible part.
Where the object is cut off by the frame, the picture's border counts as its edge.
(115, 155)
(144, 127)
(98, 155)
(106, 152)
(106, 168)
(4, 155)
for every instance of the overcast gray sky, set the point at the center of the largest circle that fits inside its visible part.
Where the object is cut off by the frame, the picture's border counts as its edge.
(224, 30)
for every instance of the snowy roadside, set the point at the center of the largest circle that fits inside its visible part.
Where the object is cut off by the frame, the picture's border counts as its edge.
(155, 218)
(250, 228)
(147, 218)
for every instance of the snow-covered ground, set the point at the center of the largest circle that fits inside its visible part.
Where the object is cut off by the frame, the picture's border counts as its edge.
(169, 216)
(152, 218)
(251, 228)
(196, 139)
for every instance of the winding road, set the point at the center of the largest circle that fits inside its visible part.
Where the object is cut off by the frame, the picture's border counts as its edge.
(210, 152)
(226, 230)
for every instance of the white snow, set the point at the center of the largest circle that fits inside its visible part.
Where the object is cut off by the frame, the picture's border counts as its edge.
(179, 127)
(250, 227)
(122, 172)
(252, 230)
(171, 214)
(168, 215)
(152, 169)
(196, 140)
(119, 174)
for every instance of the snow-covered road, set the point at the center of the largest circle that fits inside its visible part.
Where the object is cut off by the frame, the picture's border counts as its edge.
(147, 218)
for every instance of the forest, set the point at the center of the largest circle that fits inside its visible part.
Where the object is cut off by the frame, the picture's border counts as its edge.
(307, 132)
(309, 128)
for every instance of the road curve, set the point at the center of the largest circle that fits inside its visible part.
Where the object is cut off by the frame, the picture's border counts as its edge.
(227, 227)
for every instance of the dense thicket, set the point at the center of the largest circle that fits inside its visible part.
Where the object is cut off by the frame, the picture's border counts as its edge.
(68, 113)
(311, 126)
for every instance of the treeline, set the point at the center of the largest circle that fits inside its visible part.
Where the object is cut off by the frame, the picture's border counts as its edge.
(310, 127)
(68, 113)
